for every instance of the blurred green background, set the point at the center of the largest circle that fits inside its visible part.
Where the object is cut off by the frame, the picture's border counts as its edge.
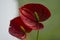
(51, 29)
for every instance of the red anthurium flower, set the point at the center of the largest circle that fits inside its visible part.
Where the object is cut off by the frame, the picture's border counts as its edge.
(32, 14)
(18, 28)
(29, 10)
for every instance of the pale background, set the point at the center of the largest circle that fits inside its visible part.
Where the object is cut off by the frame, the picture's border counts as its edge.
(9, 10)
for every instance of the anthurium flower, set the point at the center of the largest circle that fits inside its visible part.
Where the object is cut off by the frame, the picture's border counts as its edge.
(29, 10)
(18, 28)
(32, 14)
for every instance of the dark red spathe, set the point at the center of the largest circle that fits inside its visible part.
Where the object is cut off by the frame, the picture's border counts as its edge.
(27, 13)
(28, 10)
(15, 28)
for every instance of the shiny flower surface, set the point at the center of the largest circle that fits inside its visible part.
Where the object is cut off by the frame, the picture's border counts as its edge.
(18, 28)
(32, 14)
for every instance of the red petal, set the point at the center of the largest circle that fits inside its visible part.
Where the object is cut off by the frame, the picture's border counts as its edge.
(29, 9)
(19, 34)
(32, 24)
(15, 28)
(18, 22)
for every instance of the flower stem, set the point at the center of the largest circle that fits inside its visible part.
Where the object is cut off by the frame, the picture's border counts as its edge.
(27, 36)
(37, 19)
(37, 38)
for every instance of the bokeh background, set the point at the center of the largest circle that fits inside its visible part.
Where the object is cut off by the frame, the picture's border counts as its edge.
(9, 10)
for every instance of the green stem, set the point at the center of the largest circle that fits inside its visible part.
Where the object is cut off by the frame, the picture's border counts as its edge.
(37, 38)
(37, 18)
(27, 37)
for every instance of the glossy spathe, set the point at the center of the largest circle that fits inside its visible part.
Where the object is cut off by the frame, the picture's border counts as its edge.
(32, 14)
